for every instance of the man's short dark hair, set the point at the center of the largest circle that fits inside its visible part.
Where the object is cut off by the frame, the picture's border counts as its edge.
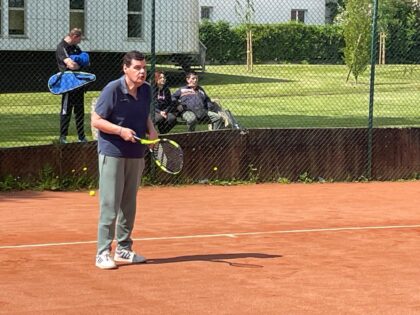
(75, 32)
(190, 74)
(134, 54)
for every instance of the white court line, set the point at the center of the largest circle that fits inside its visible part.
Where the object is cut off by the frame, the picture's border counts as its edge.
(231, 235)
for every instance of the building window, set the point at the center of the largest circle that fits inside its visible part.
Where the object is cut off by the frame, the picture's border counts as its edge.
(77, 14)
(206, 13)
(16, 17)
(135, 18)
(298, 16)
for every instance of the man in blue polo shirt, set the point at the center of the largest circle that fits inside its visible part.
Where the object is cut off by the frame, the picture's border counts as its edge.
(121, 112)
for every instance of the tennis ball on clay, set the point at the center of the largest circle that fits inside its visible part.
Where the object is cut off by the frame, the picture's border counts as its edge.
(92, 193)
(215, 168)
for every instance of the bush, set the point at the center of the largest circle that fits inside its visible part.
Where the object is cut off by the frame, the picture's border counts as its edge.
(223, 44)
(284, 42)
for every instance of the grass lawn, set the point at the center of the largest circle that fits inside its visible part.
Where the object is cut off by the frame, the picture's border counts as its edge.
(272, 96)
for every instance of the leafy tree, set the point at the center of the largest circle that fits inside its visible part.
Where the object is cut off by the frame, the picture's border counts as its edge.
(357, 36)
(336, 8)
(400, 20)
(245, 11)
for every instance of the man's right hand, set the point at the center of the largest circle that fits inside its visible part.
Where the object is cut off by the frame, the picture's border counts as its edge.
(127, 134)
(71, 65)
(180, 108)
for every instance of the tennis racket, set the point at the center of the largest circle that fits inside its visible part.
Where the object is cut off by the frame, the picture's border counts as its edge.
(166, 153)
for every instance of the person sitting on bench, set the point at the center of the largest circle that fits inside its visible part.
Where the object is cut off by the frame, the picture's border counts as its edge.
(165, 111)
(196, 106)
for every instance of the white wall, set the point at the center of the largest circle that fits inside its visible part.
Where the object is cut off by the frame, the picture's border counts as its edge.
(47, 22)
(269, 11)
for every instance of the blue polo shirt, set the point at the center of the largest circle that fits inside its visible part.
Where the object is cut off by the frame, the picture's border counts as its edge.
(117, 106)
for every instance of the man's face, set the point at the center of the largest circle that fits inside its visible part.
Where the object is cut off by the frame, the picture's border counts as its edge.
(136, 72)
(192, 81)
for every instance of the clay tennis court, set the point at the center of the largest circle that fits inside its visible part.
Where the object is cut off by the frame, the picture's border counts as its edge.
(345, 248)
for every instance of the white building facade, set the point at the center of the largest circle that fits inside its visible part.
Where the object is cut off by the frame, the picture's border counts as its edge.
(108, 25)
(266, 11)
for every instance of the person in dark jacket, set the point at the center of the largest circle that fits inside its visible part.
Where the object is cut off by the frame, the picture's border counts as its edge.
(165, 111)
(74, 100)
(196, 105)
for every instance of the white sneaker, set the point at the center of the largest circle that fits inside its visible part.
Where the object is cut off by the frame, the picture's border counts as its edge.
(105, 261)
(128, 256)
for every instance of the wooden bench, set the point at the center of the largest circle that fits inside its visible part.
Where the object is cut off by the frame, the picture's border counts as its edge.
(221, 111)
(179, 119)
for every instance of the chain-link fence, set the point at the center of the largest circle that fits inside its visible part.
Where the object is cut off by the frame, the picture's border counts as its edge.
(313, 98)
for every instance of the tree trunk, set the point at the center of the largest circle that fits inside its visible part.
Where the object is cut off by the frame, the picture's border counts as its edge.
(382, 48)
(249, 53)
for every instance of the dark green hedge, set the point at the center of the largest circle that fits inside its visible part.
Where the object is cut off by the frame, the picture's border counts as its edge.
(286, 42)
(223, 43)
(297, 42)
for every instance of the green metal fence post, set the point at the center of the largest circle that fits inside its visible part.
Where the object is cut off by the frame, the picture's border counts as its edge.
(373, 53)
(152, 71)
(153, 43)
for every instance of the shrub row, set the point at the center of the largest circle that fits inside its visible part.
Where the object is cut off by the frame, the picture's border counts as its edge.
(285, 42)
(297, 42)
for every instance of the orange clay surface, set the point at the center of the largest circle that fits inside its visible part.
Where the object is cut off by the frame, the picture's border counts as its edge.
(344, 248)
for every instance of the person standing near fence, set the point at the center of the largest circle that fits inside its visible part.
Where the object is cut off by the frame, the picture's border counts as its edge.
(122, 111)
(73, 100)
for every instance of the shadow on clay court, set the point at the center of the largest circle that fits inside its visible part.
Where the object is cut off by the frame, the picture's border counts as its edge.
(217, 258)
